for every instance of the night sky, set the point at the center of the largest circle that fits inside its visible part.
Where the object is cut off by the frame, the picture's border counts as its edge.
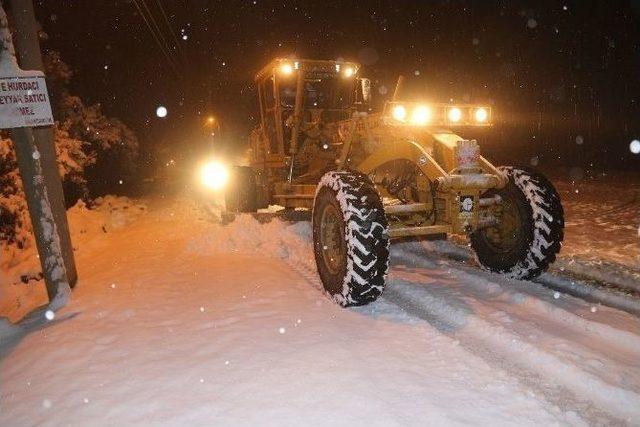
(562, 76)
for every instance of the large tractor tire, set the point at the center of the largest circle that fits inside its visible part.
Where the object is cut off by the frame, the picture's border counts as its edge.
(350, 240)
(241, 193)
(530, 227)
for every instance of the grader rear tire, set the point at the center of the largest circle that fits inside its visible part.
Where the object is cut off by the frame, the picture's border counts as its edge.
(350, 240)
(241, 194)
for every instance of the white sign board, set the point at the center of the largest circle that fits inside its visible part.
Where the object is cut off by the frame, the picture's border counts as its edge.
(24, 102)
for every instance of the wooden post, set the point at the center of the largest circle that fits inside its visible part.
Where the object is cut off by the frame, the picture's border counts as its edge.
(36, 189)
(29, 57)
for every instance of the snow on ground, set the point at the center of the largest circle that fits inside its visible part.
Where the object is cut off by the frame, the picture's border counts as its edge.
(602, 219)
(86, 225)
(177, 320)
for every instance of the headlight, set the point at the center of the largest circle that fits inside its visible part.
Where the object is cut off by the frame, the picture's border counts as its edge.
(454, 114)
(421, 115)
(348, 72)
(481, 115)
(437, 114)
(214, 175)
(286, 68)
(399, 113)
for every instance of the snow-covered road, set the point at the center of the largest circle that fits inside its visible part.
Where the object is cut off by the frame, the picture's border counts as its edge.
(179, 321)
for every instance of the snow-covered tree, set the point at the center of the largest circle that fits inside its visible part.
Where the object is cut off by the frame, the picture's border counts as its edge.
(14, 217)
(111, 145)
(15, 225)
(94, 154)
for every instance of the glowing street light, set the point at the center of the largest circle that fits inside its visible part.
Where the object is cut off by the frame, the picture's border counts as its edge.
(212, 123)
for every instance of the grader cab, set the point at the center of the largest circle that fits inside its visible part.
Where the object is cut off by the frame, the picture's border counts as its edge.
(374, 176)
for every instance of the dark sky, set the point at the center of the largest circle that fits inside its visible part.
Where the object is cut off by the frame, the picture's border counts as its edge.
(554, 70)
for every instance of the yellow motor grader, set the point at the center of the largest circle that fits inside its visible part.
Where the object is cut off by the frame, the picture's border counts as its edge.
(372, 177)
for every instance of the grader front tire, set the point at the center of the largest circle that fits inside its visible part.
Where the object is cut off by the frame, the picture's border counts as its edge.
(530, 235)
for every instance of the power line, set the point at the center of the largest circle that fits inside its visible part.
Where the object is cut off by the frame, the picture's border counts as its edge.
(156, 26)
(171, 31)
(159, 43)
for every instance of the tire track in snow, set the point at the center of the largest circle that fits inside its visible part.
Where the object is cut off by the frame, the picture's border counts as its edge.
(614, 287)
(488, 283)
(489, 338)
(561, 383)
(565, 384)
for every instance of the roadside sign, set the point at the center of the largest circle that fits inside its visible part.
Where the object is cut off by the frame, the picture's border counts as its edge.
(24, 101)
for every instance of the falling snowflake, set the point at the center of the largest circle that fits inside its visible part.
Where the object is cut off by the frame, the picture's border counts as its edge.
(161, 111)
(556, 295)
(50, 315)
(635, 146)
(282, 330)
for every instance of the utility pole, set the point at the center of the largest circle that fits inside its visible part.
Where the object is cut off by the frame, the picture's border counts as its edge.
(28, 107)
(27, 48)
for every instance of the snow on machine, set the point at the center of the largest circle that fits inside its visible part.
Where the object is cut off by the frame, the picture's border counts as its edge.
(373, 177)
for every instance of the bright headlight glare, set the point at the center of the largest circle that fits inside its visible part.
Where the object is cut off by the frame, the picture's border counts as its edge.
(348, 72)
(421, 115)
(399, 113)
(214, 175)
(481, 115)
(454, 114)
(286, 68)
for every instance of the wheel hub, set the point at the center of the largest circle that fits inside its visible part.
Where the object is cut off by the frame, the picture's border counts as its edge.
(508, 231)
(332, 238)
